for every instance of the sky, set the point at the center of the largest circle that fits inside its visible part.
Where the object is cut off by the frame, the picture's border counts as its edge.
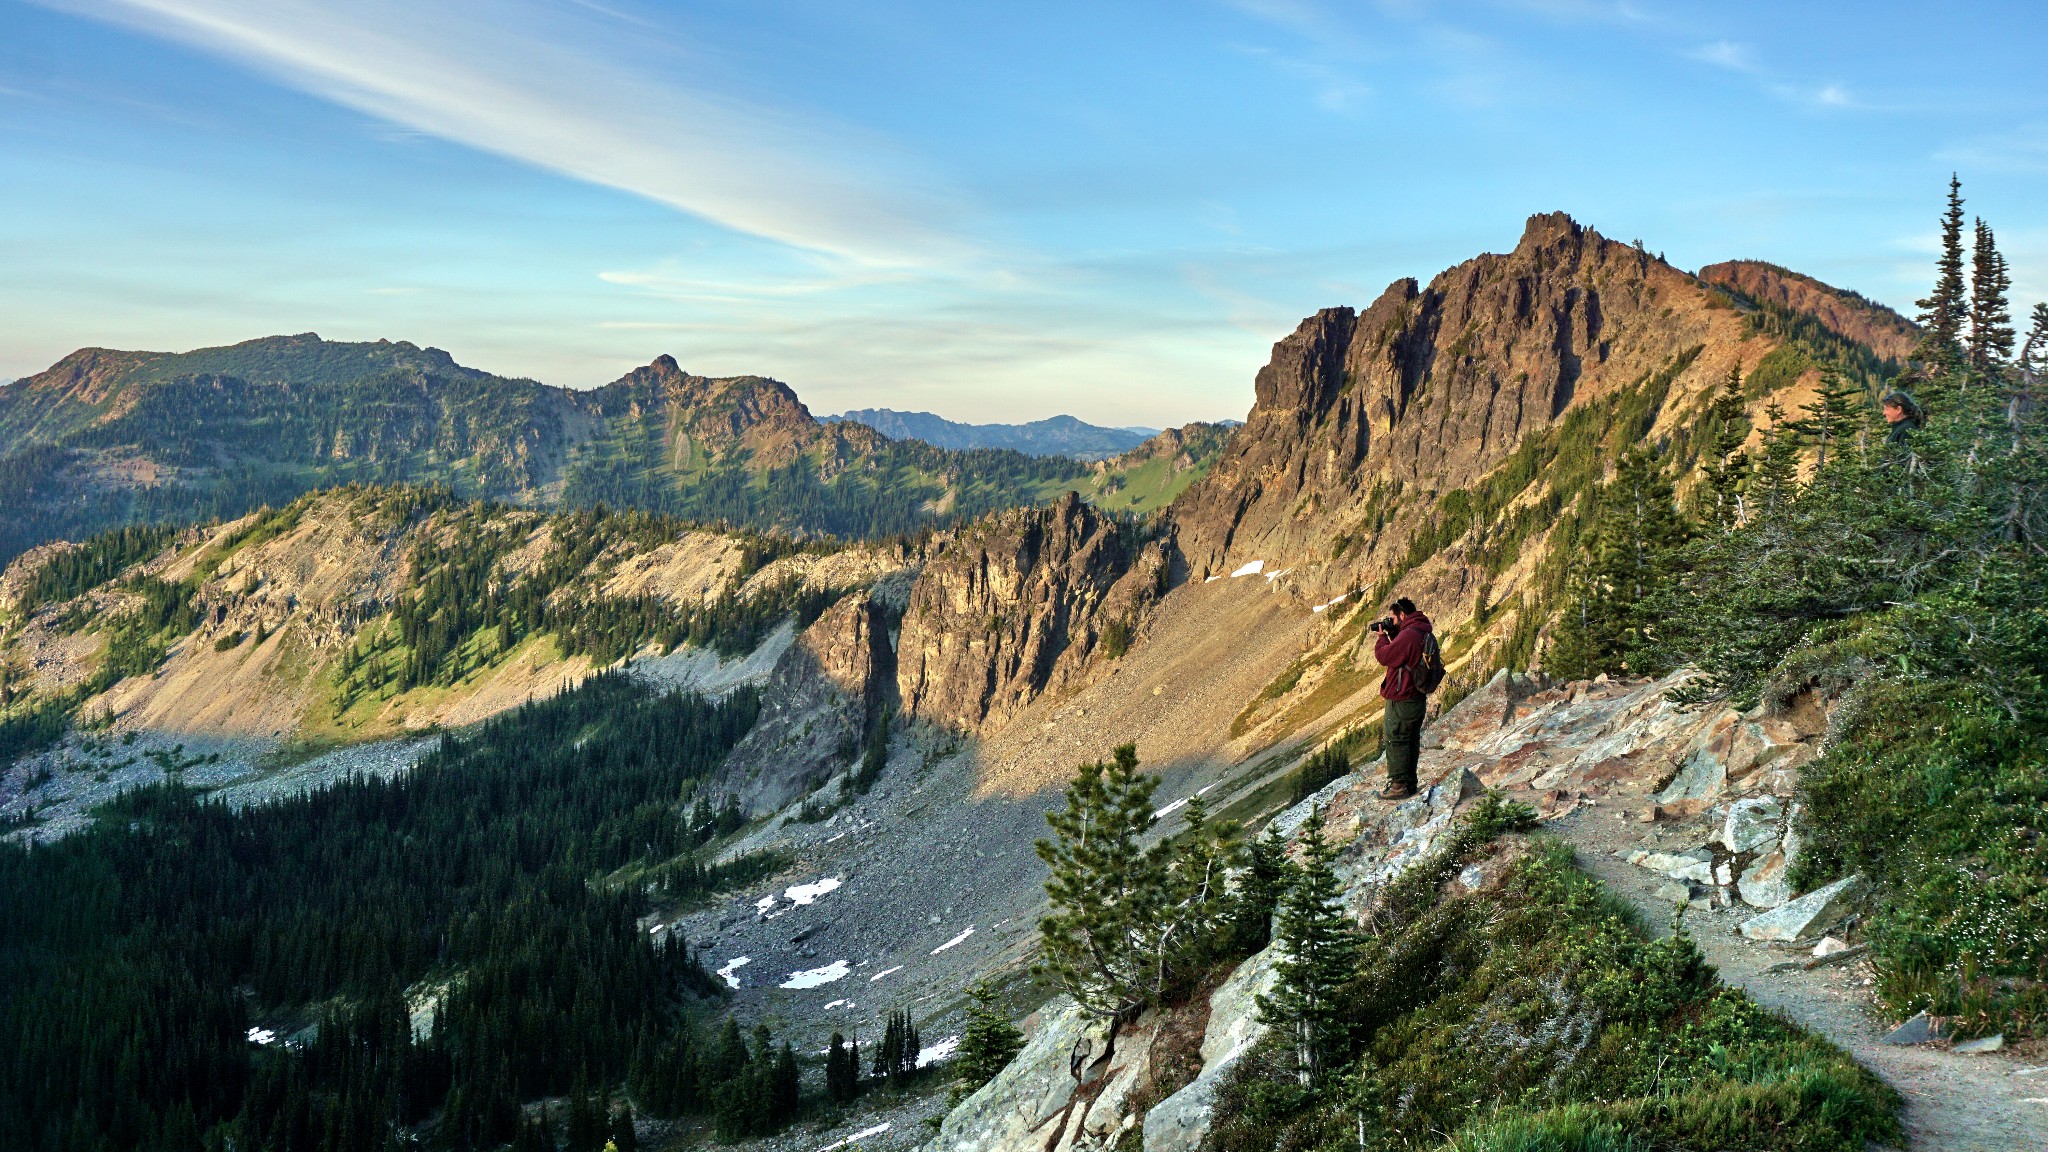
(993, 212)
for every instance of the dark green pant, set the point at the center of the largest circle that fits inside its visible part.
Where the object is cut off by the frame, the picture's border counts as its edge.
(1404, 740)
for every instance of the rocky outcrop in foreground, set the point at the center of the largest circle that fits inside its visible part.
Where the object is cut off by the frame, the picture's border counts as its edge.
(1713, 776)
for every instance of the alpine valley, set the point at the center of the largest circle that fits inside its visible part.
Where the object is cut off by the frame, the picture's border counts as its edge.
(398, 755)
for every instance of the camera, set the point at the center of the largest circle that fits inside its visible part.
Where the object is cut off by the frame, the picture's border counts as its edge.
(1387, 626)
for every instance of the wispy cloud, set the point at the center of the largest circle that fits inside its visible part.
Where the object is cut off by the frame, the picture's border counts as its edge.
(1726, 54)
(546, 87)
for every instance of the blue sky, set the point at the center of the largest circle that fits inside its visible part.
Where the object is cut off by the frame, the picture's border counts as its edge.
(994, 212)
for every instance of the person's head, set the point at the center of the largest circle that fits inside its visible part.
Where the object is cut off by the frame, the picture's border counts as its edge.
(1898, 405)
(1402, 609)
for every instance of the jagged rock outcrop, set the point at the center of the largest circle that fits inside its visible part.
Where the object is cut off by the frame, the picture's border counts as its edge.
(827, 688)
(1015, 606)
(1365, 420)
(1847, 314)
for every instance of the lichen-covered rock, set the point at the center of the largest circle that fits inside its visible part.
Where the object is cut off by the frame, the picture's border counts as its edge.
(1763, 883)
(1807, 917)
(1067, 1090)
(1752, 823)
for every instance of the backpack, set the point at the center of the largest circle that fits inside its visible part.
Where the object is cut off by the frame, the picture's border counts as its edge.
(1428, 673)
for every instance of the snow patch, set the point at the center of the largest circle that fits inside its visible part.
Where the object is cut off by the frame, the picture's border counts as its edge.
(802, 895)
(262, 1036)
(837, 1003)
(863, 1134)
(944, 1049)
(730, 972)
(1329, 604)
(1170, 809)
(1272, 576)
(765, 902)
(813, 977)
(1251, 569)
(960, 939)
(884, 972)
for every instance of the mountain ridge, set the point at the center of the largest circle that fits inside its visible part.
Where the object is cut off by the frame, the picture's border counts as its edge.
(1060, 435)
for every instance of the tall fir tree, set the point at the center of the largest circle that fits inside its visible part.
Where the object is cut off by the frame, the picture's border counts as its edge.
(1106, 890)
(1629, 558)
(1991, 334)
(1839, 411)
(1318, 954)
(1259, 887)
(842, 1072)
(1775, 480)
(1946, 309)
(988, 1043)
(1725, 466)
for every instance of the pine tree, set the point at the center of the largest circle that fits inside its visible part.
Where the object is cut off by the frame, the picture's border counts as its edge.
(1726, 465)
(1991, 334)
(842, 1072)
(787, 1087)
(1318, 953)
(1258, 891)
(988, 1043)
(625, 1138)
(1194, 916)
(1630, 557)
(1944, 311)
(1106, 890)
(1776, 478)
(1837, 412)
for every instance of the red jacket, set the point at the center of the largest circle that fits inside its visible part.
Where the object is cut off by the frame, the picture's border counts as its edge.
(1399, 653)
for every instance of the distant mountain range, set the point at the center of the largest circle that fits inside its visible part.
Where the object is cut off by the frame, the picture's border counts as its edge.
(1053, 436)
(106, 437)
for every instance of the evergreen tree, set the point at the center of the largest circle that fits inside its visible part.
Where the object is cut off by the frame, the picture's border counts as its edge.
(1775, 480)
(1106, 890)
(988, 1043)
(1837, 413)
(842, 1072)
(1194, 914)
(1945, 310)
(787, 1088)
(625, 1138)
(1631, 555)
(1318, 954)
(1991, 334)
(896, 1059)
(1259, 887)
(1724, 464)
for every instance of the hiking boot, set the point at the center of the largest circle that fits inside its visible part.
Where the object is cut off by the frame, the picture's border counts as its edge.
(1397, 792)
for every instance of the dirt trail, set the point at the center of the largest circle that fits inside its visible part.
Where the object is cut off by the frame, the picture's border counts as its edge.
(1991, 1102)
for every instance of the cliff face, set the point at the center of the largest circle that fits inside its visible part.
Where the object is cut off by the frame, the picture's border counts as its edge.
(1846, 314)
(1014, 606)
(827, 688)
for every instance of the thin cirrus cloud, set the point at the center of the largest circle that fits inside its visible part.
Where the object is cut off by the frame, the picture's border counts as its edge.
(518, 81)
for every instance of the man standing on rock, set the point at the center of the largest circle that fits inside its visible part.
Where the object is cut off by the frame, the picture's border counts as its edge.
(1406, 649)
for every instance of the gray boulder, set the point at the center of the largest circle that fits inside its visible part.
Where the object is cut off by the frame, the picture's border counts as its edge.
(1807, 917)
(1762, 884)
(1752, 823)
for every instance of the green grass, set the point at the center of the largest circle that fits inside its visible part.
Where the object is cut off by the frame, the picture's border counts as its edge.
(1537, 1015)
